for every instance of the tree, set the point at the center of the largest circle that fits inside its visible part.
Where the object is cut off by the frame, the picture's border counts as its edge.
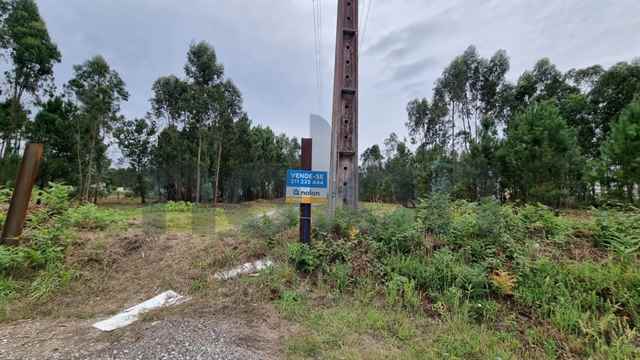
(51, 127)
(169, 97)
(611, 93)
(205, 76)
(621, 152)
(135, 139)
(372, 174)
(33, 55)
(99, 91)
(540, 155)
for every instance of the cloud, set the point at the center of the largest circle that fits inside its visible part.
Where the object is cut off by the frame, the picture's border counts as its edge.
(267, 47)
(411, 70)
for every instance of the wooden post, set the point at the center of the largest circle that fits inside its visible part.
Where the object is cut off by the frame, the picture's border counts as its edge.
(305, 209)
(343, 181)
(27, 176)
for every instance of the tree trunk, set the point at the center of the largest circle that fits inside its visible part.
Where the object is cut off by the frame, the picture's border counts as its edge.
(215, 189)
(141, 188)
(198, 168)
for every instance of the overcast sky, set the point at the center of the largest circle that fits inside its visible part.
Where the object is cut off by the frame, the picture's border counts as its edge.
(267, 47)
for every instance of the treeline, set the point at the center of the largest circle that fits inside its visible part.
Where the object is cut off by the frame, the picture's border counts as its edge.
(195, 141)
(562, 139)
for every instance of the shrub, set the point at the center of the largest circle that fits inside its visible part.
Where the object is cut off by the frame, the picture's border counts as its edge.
(304, 257)
(434, 214)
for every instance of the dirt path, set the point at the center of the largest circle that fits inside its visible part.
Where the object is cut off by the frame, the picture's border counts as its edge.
(117, 270)
(172, 338)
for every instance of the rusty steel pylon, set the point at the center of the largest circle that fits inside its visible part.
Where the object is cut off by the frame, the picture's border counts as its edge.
(343, 182)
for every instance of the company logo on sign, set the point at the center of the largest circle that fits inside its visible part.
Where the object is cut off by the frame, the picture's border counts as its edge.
(307, 187)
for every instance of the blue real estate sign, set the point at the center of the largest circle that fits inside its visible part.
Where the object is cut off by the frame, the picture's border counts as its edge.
(307, 187)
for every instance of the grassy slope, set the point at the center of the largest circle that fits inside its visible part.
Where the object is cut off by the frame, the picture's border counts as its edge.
(346, 312)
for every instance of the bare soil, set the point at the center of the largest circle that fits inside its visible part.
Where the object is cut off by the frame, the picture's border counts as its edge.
(118, 269)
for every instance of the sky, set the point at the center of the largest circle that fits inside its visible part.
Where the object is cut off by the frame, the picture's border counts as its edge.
(267, 47)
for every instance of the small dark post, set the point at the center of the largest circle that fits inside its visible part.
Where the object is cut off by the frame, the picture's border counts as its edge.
(305, 209)
(22, 193)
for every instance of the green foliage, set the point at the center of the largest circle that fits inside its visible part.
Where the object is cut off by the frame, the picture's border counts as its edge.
(540, 154)
(618, 231)
(55, 276)
(178, 207)
(90, 217)
(440, 272)
(542, 223)
(19, 259)
(621, 150)
(396, 232)
(270, 226)
(5, 195)
(304, 257)
(401, 291)
(135, 139)
(577, 297)
(434, 214)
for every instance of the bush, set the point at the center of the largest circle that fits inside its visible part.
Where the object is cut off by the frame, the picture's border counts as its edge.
(304, 257)
(434, 214)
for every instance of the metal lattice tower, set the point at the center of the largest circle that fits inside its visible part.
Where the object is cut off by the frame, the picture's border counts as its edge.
(343, 183)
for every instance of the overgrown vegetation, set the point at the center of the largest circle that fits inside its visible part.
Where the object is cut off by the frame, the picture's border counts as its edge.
(35, 267)
(510, 272)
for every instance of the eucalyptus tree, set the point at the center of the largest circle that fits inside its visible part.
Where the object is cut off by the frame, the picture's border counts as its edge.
(205, 81)
(33, 55)
(99, 91)
(135, 139)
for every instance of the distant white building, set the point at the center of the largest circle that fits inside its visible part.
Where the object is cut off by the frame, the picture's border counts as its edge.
(320, 132)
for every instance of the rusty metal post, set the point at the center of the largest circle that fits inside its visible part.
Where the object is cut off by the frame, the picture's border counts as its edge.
(27, 176)
(305, 209)
(343, 181)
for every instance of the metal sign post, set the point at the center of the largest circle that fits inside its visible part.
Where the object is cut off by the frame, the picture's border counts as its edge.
(22, 194)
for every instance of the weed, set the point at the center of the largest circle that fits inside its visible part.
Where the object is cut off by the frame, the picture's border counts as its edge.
(291, 305)
(54, 277)
(304, 257)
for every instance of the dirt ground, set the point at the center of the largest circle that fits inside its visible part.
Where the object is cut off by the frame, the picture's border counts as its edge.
(121, 268)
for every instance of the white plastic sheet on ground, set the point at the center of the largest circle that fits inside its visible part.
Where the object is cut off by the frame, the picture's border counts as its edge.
(248, 268)
(132, 314)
